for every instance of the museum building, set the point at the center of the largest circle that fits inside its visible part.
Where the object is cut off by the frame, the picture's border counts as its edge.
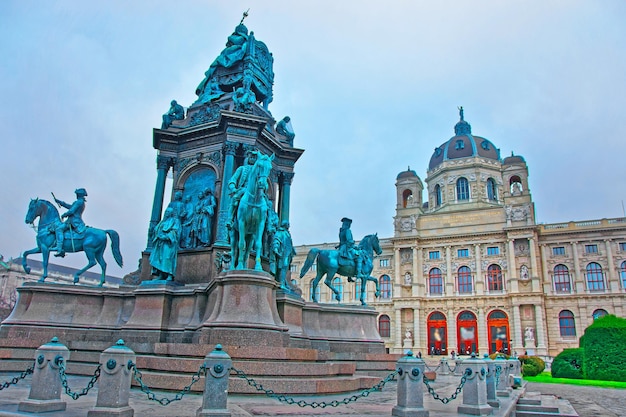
(469, 269)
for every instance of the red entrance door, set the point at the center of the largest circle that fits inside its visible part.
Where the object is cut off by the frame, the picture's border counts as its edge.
(498, 329)
(437, 334)
(467, 333)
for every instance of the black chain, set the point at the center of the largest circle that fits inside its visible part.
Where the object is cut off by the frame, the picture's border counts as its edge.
(498, 370)
(314, 404)
(450, 369)
(432, 392)
(431, 369)
(61, 363)
(16, 379)
(137, 376)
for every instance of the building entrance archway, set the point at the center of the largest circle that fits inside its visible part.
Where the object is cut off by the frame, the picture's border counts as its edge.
(498, 332)
(437, 333)
(467, 333)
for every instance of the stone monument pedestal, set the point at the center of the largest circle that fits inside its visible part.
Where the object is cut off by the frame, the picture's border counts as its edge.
(245, 301)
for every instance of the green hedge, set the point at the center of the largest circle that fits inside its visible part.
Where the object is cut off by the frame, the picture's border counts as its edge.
(532, 365)
(568, 364)
(603, 343)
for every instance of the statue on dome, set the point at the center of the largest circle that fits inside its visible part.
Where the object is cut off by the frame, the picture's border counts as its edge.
(176, 112)
(284, 128)
(231, 55)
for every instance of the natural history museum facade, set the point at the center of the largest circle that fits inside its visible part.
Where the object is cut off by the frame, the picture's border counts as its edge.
(468, 269)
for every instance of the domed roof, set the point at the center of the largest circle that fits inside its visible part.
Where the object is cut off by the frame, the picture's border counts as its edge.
(409, 173)
(463, 145)
(513, 160)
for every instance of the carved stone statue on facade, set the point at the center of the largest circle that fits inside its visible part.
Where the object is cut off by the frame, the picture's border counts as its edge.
(176, 112)
(529, 337)
(164, 254)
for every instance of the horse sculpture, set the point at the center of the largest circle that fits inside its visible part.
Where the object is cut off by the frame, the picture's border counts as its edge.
(247, 235)
(92, 243)
(328, 264)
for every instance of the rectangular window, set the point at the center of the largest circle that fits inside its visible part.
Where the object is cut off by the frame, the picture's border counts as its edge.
(558, 250)
(591, 248)
(433, 254)
(294, 268)
(493, 250)
(384, 263)
(622, 246)
(462, 253)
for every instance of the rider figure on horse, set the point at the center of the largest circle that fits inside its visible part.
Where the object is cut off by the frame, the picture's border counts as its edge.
(347, 249)
(74, 220)
(237, 184)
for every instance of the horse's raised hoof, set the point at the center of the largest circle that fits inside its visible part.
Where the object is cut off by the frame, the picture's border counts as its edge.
(337, 297)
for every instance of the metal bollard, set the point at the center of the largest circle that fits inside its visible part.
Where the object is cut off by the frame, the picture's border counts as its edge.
(443, 365)
(46, 387)
(410, 395)
(217, 364)
(475, 388)
(492, 399)
(114, 385)
(502, 385)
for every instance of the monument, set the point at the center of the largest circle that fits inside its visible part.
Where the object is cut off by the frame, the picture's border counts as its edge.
(204, 276)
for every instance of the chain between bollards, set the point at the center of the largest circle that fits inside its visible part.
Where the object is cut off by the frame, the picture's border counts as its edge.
(431, 391)
(17, 379)
(314, 404)
(137, 376)
(60, 362)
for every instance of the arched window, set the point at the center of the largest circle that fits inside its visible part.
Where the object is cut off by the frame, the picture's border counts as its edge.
(595, 277)
(464, 280)
(384, 325)
(561, 279)
(318, 292)
(435, 281)
(407, 198)
(599, 313)
(385, 287)
(566, 323)
(515, 184)
(338, 286)
(494, 278)
(462, 189)
(622, 273)
(492, 191)
(437, 195)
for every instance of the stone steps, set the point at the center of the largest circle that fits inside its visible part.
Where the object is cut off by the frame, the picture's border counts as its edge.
(533, 404)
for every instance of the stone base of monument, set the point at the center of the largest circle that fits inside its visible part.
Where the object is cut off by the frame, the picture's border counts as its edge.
(41, 406)
(284, 343)
(111, 412)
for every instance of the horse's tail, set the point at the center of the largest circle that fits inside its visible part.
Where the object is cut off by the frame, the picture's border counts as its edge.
(310, 258)
(115, 246)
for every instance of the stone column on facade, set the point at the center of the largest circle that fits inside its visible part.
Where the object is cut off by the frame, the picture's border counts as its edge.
(548, 286)
(516, 329)
(228, 150)
(398, 334)
(513, 278)
(540, 334)
(274, 184)
(480, 279)
(417, 331)
(579, 284)
(396, 271)
(449, 287)
(534, 276)
(163, 166)
(285, 193)
(418, 282)
(483, 342)
(451, 325)
(612, 281)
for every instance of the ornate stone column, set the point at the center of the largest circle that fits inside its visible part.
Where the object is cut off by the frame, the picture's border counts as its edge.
(397, 337)
(451, 328)
(548, 284)
(417, 331)
(579, 284)
(228, 151)
(516, 329)
(396, 270)
(163, 165)
(540, 334)
(534, 272)
(481, 287)
(418, 282)
(448, 288)
(483, 343)
(285, 190)
(613, 283)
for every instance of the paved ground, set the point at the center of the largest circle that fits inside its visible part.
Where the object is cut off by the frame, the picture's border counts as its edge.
(588, 402)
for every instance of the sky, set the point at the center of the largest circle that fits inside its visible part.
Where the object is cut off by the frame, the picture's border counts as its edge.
(371, 88)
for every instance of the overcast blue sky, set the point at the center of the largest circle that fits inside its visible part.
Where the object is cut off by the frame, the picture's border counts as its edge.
(372, 87)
